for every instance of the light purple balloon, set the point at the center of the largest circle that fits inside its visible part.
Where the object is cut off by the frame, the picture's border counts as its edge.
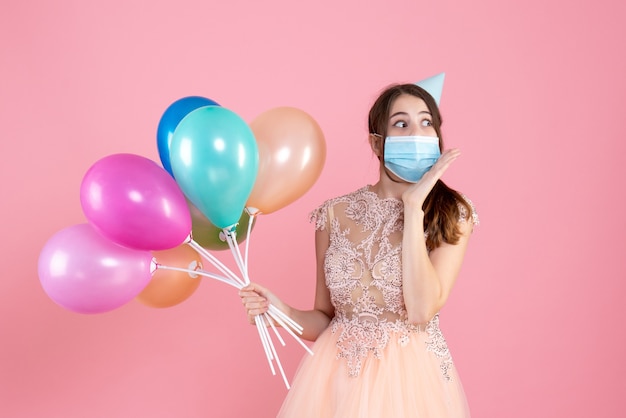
(85, 272)
(133, 201)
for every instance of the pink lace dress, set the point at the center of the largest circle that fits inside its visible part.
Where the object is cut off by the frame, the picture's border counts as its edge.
(370, 362)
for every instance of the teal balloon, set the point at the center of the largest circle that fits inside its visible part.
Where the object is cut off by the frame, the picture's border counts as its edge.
(215, 160)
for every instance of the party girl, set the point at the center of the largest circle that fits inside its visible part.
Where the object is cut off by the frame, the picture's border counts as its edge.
(388, 256)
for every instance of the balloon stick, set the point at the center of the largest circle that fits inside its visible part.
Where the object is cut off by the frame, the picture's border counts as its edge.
(251, 220)
(213, 260)
(264, 341)
(231, 238)
(276, 333)
(201, 273)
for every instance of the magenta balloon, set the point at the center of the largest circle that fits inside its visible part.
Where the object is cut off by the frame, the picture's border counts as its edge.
(85, 272)
(133, 201)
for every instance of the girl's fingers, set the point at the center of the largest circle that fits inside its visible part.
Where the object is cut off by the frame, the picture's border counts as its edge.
(256, 300)
(418, 192)
(447, 157)
(253, 287)
(254, 303)
(253, 313)
(444, 162)
(253, 299)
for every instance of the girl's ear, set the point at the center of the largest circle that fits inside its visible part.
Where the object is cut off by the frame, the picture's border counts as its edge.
(376, 142)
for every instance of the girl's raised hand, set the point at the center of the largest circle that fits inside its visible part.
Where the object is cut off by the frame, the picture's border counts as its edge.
(415, 195)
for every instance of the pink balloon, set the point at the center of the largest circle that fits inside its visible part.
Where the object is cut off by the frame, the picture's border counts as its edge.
(84, 272)
(133, 201)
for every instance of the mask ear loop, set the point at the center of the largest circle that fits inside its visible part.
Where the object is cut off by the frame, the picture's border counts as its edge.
(380, 157)
(380, 154)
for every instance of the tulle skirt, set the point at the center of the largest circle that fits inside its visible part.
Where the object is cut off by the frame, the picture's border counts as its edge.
(408, 380)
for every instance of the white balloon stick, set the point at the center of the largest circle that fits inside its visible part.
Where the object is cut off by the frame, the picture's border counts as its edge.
(213, 260)
(262, 335)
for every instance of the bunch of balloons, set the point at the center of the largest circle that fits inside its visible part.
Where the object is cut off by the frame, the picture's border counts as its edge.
(151, 228)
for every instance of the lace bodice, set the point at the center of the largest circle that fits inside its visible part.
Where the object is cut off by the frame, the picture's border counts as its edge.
(364, 274)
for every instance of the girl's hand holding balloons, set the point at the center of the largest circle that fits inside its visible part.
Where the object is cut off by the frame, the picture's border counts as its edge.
(256, 299)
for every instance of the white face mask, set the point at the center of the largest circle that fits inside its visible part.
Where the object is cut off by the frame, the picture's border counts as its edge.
(410, 157)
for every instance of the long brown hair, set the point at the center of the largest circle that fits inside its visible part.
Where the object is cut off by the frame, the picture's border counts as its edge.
(441, 207)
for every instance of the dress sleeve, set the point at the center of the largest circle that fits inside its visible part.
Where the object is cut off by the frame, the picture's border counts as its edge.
(320, 216)
(463, 212)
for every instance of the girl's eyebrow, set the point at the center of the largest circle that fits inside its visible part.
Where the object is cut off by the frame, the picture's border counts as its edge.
(406, 114)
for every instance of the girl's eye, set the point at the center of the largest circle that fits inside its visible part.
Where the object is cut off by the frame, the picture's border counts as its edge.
(427, 122)
(400, 124)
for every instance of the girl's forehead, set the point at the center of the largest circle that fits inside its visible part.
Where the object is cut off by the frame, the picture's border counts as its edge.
(407, 103)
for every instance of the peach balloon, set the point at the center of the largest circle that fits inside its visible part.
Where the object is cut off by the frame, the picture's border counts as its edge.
(170, 287)
(292, 152)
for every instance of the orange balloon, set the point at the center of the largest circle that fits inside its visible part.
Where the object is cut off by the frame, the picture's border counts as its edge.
(169, 287)
(292, 152)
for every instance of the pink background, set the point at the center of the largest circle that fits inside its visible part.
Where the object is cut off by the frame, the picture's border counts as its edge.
(535, 96)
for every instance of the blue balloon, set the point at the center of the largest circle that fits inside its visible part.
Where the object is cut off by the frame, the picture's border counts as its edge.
(170, 120)
(215, 161)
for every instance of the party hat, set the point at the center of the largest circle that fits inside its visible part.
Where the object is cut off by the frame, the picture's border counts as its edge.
(433, 85)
